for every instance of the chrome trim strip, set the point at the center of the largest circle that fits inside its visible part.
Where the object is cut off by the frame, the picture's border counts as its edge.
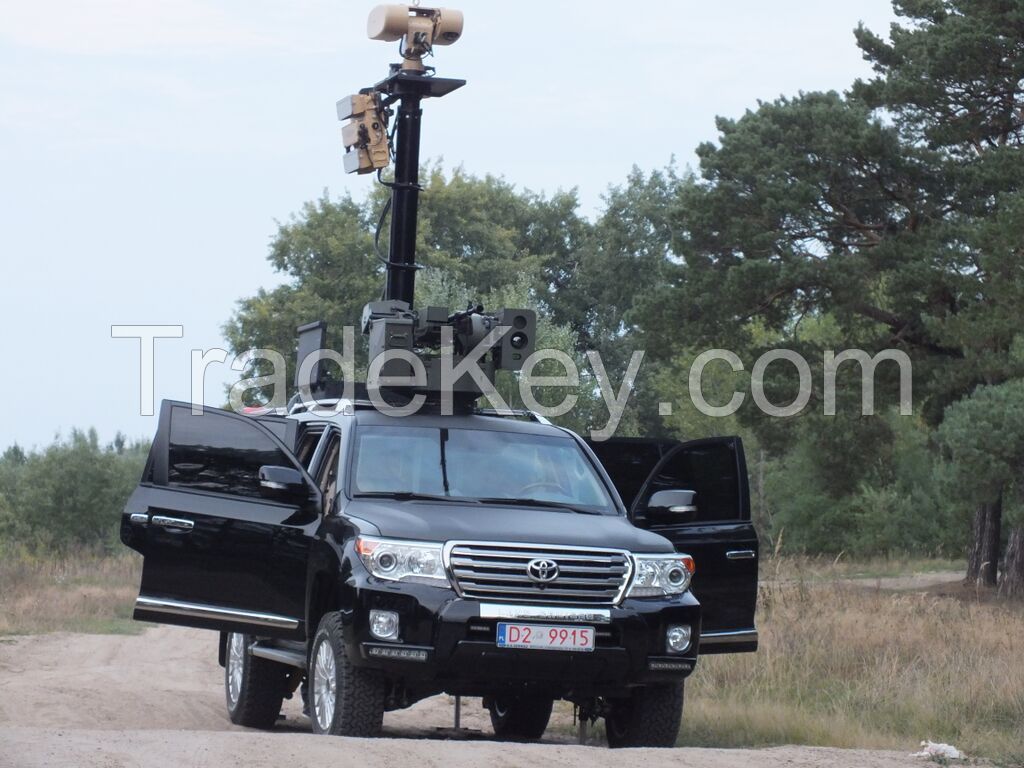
(627, 582)
(545, 613)
(741, 554)
(729, 638)
(203, 611)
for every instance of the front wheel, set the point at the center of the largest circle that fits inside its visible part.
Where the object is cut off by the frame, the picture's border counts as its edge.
(523, 719)
(253, 687)
(650, 717)
(346, 700)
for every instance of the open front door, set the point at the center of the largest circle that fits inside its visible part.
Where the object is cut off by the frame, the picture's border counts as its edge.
(720, 536)
(210, 530)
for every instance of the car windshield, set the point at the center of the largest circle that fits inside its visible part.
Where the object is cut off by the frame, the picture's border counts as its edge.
(474, 464)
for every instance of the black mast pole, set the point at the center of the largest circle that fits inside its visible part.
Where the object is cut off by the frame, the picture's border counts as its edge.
(409, 89)
(401, 277)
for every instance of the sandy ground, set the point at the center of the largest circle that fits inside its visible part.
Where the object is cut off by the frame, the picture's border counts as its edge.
(156, 699)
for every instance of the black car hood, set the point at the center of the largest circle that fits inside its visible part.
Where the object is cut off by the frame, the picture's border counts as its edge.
(432, 521)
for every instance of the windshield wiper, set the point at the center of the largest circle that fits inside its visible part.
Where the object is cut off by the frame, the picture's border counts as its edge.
(407, 496)
(536, 503)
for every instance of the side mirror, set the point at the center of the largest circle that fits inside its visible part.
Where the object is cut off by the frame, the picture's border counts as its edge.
(672, 506)
(282, 483)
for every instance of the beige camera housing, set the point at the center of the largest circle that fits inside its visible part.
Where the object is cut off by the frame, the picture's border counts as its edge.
(421, 28)
(365, 136)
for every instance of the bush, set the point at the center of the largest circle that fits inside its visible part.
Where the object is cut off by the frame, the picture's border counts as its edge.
(70, 494)
(901, 504)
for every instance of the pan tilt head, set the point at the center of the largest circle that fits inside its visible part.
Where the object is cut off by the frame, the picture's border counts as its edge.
(419, 29)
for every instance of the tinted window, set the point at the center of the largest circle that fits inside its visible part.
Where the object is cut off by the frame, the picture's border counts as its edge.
(710, 470)
(307, 445)
(211, 452)
(328, 477)
(629, 462)
(277, 425)
(474, 463)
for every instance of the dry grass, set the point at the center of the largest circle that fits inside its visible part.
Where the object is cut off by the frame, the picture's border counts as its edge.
(852, 667)
(83, 592)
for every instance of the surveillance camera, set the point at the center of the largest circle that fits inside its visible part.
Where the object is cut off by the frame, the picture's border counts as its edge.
(421, 28)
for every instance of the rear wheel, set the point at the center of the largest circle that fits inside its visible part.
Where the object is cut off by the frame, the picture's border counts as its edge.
(345, 700)
(520, 718)
(254, 688)
(650, 717)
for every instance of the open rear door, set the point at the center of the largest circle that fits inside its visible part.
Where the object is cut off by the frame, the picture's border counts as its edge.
(720, 538)
(211, 533)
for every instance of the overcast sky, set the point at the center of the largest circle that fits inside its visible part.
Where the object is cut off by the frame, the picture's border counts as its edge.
(147, 148)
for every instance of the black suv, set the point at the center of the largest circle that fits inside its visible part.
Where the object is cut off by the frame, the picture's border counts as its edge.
(375, 561)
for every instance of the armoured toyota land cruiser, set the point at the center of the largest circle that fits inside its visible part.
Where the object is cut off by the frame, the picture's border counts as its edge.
(382, 560)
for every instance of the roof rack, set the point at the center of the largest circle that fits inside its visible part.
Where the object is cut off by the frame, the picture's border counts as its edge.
(338, 404)
(506, 413)
(331, 396)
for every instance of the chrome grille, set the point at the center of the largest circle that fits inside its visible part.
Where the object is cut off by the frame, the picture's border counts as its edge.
(492, 571)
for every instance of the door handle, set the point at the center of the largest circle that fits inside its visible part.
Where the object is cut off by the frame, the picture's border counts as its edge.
(139, 518)
(174, 523)
(739, 554)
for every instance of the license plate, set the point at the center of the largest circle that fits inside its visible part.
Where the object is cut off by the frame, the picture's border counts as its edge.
(545, 637)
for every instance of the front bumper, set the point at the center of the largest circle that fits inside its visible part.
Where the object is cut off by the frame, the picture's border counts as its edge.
(448, 643)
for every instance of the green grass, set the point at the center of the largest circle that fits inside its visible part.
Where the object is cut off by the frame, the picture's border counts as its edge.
(1012, 759)
(107, 626)
(892, 568)
(830, 568)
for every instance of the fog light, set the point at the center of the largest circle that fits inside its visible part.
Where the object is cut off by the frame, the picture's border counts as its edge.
(677, 639)
(384, 625)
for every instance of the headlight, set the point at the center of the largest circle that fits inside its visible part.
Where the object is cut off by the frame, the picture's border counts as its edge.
(410, 561)
(656, 575)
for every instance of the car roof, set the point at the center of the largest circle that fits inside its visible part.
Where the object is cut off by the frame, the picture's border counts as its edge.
(340, 412)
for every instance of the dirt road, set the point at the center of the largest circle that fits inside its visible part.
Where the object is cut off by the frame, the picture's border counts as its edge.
(155, 699)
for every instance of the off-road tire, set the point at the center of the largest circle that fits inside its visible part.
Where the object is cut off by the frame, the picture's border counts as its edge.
(261, 685)
(522, 719)
(358, 693)
(650, 717)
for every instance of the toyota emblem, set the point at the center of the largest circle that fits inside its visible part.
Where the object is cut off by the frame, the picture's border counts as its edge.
(542, 571)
